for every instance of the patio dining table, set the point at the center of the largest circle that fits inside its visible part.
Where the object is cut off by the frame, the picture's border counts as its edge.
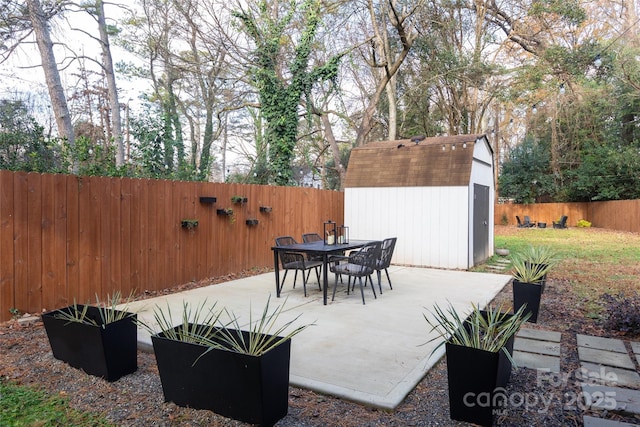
(315, 248)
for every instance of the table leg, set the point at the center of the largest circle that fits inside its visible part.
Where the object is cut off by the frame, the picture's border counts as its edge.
(276, 268)
(325, 276)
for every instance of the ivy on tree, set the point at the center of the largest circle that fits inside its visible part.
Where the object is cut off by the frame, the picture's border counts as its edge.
(280, 96)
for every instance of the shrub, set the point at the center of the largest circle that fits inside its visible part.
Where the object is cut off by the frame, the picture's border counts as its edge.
(583, 223)
(504, 220)
(624, 313)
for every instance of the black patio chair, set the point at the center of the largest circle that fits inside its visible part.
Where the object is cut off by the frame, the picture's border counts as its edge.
(562, 223)
(520, 224)
(383, 263)
(312, 237)
(528, 223)
(357, 265)
(298, 262)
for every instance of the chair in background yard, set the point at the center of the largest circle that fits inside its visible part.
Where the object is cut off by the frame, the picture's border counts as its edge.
(383, 263)
(358, 264)
(297, 261)
(528, 222)
(562, 223)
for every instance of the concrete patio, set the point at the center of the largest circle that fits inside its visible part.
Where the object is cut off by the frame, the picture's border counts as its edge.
(371, 354)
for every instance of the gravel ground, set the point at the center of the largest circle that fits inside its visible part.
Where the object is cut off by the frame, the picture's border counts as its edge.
(137, 400)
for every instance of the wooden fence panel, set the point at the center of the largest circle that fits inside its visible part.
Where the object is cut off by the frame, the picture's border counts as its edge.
(66, 238)
(540, 212)
(622, 215)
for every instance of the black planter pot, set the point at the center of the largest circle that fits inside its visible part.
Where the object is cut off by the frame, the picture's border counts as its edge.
(253, 389)
(476, 382)
(109, 352)
(529, 294)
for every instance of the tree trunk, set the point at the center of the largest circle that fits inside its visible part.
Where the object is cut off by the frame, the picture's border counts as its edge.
(107, 65)
(52, 76)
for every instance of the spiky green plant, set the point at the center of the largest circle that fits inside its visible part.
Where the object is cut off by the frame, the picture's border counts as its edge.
(205, 327)
(543, 255)
(109, 313)
(487, 330)
(196, 324)
(263, 334)
(528, 272)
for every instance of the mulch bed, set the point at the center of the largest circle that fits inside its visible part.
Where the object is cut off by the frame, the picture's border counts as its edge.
(137, 400)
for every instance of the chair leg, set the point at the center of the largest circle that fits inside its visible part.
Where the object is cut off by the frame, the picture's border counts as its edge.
(379, 281)
(373, 288)
(335, 286)
(283, 279)
(361, 288)
(295, 278)
(388, 278)
(304, 282)
(318, 274)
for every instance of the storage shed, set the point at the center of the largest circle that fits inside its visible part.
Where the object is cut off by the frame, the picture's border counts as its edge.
(435, 194)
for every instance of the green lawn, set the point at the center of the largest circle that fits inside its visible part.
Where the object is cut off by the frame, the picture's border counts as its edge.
(594, 261)
(22, 406)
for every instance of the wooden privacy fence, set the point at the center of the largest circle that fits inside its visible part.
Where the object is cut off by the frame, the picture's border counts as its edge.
(622, 215)
(67, 237)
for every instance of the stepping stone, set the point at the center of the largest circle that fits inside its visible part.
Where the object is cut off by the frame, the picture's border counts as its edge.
(539, 334)
(601, 422)
(609, 344)
(603, 357)
(616, 399)
(549, 348)
(536, 361)
(607, 375)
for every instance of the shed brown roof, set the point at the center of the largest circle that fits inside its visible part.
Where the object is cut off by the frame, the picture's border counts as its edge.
(404, 163)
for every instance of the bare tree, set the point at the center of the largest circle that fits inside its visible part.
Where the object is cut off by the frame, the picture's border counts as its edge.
(40, 27)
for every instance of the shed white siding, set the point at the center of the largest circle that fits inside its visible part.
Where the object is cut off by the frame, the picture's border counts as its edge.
(431, 223)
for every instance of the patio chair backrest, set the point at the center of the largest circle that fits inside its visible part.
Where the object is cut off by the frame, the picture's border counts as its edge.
(388, 245)
(288, 257)
(366, 259)
(311, 237)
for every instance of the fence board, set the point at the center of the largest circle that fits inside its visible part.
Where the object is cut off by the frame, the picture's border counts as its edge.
(34, 272)
(89, 244)
(73, 237)
(21, 240)
(59, 245)
(125, 240)
(7, 265)
(49, 264)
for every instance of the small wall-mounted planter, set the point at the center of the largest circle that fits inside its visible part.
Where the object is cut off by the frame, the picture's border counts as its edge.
(251, 222)
(189, 224)
(265, 209)
(224, 212)
(236, 200)
(207, 200)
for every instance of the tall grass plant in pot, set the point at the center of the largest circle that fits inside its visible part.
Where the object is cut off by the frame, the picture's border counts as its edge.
(479, 349)
(530, 268)
(206, 362)
(98, 339)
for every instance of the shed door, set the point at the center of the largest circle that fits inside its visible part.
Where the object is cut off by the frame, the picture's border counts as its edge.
(480, 223)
